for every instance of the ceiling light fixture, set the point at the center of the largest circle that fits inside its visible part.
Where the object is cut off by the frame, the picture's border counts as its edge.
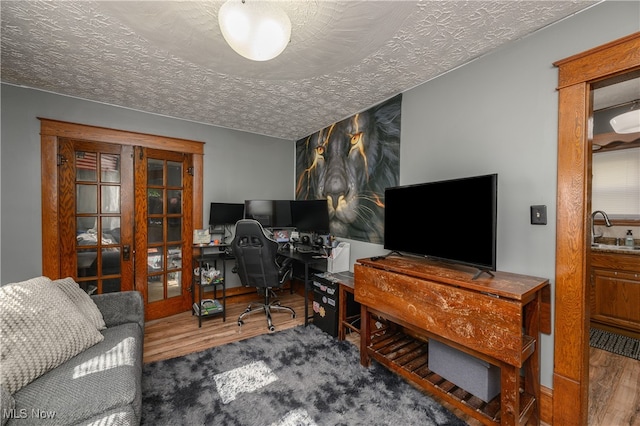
(628, 122)
(257, 30)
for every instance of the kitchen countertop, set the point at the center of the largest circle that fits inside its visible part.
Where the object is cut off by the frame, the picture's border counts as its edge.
(606, 248)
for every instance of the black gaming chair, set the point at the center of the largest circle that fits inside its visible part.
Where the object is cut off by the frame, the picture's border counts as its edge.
(258, 266)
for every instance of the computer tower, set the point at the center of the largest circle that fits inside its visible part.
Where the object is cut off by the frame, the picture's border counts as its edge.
(325, 305)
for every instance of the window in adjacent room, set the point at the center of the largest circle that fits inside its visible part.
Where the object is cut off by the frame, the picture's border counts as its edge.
(616, 183)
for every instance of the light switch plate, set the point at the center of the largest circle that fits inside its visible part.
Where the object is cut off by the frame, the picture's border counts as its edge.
(538, 215)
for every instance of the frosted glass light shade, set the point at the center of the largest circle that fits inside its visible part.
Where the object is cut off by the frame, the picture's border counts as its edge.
(629, 122)
(257, 30)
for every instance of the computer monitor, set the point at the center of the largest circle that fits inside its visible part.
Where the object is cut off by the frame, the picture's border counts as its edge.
(260, 210)
(222, 214)
(283, 214)
(310, 216)
(270, 213)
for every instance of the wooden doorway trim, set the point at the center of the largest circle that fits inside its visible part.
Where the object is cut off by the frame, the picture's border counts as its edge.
(51, 130)
(576, 75)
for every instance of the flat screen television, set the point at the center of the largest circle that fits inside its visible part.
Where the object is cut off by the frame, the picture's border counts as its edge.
(310, 216)
(221, 214)
(270, 213)
(451, 220)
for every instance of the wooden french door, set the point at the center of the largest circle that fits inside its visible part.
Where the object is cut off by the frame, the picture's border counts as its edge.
(96, 220)
(163, 229)
(118, 213)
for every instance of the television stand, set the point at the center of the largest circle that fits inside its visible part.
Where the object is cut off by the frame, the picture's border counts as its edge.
(450, 263)
(461, 266)
(497, 319)
(481, 271)
(374, 258)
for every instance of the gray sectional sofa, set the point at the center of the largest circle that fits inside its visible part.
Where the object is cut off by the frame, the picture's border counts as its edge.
(100, 385)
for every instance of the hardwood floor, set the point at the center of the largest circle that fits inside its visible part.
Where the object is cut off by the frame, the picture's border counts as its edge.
(614, 389)
(614, 380)
(179, 334)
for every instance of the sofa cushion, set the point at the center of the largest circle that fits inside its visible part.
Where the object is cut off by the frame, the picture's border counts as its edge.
(121, 416)
(40, 328)
(102, 382)
(82, 300)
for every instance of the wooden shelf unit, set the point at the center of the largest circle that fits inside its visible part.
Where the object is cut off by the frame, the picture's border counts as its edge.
(496, 319)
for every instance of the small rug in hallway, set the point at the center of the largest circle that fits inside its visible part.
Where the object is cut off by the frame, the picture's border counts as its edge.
(300, 376)
(615, 343)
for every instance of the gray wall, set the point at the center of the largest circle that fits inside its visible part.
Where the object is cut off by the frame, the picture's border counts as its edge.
(497, 114)
(225, 179)
(500, 114)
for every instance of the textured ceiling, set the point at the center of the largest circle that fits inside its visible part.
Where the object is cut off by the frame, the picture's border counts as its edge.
(170, 58)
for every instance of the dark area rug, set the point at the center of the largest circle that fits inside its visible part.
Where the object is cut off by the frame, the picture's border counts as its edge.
(299, 376)
(615, 343)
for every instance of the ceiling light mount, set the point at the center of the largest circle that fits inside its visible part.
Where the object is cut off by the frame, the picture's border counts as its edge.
(258, 30)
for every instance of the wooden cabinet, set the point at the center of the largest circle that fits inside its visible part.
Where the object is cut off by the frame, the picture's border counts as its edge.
(497, 319)
(615, 292)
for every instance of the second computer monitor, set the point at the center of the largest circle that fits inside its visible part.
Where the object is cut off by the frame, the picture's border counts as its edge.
(270, 213)
(310, 216)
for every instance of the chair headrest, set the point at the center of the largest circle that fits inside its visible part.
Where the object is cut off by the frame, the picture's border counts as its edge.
(249, 232)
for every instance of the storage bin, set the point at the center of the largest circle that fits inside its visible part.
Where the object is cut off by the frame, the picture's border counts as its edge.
(474, 375)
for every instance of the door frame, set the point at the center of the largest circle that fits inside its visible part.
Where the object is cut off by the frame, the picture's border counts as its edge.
(52, 130)
(576, 77)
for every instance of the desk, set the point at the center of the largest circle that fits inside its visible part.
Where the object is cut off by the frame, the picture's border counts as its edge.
(307, 260)
(209, 254)
(345, 293)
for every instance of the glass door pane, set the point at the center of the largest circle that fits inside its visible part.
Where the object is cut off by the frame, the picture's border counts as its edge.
(97, 218)
(164, 229)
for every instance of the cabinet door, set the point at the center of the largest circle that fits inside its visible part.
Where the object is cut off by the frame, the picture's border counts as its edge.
(616, 298)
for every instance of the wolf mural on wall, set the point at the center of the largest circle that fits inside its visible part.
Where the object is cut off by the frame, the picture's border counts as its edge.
(350, 163)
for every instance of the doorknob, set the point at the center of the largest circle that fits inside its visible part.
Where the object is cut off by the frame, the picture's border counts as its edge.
(126, 252)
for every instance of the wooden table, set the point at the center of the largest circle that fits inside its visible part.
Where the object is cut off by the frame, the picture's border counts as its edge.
(497, 319)
(345, 321)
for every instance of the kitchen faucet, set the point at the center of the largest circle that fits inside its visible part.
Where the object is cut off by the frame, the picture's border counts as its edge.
(593, 225)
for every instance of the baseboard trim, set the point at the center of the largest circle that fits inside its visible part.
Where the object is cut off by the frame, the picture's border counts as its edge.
(546, 405)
